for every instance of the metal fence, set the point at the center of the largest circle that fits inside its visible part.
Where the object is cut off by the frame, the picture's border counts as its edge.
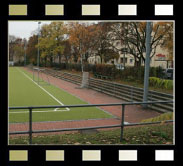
(125, 92)
(122, 125)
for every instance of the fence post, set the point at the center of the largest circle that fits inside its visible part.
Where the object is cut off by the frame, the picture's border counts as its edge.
(30, 126)
(122, 121)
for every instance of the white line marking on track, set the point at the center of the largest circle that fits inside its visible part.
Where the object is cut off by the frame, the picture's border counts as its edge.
(43, 89)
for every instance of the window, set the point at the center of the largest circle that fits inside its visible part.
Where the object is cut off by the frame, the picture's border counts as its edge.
(169, 70)
(131, 60)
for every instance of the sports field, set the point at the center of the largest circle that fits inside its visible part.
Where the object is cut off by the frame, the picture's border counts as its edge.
(23, 91)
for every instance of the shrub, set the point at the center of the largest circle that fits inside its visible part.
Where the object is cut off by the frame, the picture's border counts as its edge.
(130, 78)
(161, 83)
(129, 73)
(152, 72)
(162, 117)
(108, 70)
(89, 67)
(20, 63)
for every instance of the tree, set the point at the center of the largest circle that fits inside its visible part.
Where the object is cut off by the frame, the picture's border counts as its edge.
(133, 35)
(50, 42)
(12, 43)
(16, 48)
(168, 42)
(19, 49)
(44, 44)
(67, 50)
(58, 32)
(110, 54)
(32, 50)
(74, 39)
(104, 44)
(82, 38)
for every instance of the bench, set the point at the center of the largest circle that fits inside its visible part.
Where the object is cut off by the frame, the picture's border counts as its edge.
(97, 75)
(102, 76)
(56, 68)
(107, 77)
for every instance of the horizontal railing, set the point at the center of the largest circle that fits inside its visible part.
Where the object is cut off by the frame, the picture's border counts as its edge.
(125, 92)
(122, 125)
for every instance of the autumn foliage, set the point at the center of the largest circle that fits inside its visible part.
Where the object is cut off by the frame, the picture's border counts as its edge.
(75, 42)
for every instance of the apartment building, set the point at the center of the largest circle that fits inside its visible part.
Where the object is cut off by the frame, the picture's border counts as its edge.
(159, 59)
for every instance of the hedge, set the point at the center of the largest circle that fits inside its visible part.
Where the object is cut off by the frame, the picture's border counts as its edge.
(129, 73)
(161, 83)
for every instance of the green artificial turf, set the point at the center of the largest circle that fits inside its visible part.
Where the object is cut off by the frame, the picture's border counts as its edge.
(24, 92)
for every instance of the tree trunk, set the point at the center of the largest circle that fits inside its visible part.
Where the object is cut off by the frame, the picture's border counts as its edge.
(59, 59)
(137, 62)
(45, 60)
(101, 59)
(51, 61)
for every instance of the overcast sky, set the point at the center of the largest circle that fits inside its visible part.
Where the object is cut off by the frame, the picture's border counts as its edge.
(23, 29)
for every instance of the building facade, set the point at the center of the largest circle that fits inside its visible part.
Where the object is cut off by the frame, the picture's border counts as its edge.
(159, 59)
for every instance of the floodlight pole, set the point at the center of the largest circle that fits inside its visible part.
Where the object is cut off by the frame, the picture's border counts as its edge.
(25, 54)
(38, 44)
(81, 57)
(147, 62)
(82, 63)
